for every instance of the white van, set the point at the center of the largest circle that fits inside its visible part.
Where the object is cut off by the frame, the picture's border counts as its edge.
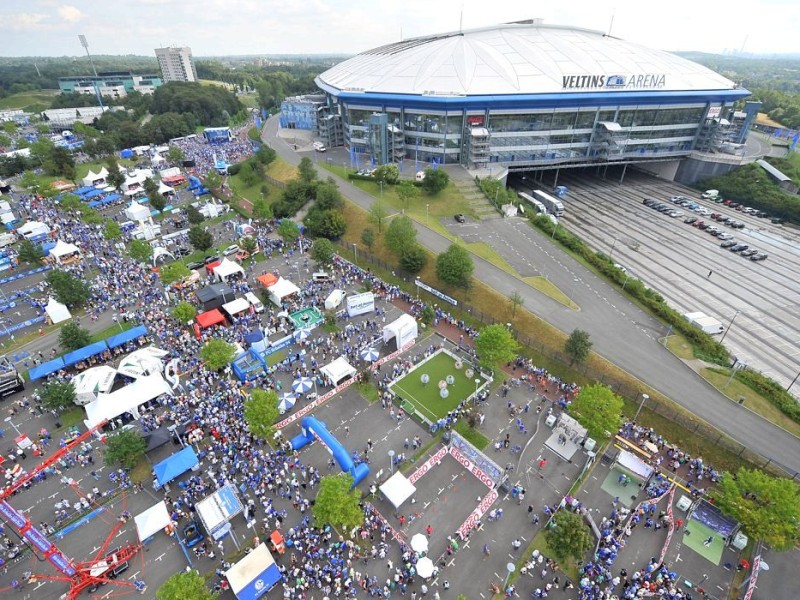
(319, 147)
(254, 302)
(710, 194)
(6, 239)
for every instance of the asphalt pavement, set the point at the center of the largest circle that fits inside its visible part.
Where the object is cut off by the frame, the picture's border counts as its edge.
(620, 331)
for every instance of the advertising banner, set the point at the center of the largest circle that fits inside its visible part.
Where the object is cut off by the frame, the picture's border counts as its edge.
(360, 304)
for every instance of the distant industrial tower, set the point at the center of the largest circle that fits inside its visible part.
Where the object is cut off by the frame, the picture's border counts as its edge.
(176, 64)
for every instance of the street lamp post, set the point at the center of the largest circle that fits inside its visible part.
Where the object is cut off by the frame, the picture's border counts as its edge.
(355, 251)
(510, 567)
(793, 380)
(554, 231)
(614, 245)
(391, 461)
(645, 398)
(10, 422)
(736, 314)
(427, 207)
(475, 397)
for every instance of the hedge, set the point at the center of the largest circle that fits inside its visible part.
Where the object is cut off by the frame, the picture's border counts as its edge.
(772, 391)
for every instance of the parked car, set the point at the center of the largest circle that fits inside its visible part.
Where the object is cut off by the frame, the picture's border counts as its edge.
(192, 534)
(727, 202)
(703, 225)
(460, 218)
(210, 259)
(232, 249)
(675, 213)
(777, 220)
(750, 252)
(180, 252)
(690, 220)
(725, 236)
(738, 248)
(648, 202)
(759, 256)
(195, 264)
(729, 244)
(737, 225)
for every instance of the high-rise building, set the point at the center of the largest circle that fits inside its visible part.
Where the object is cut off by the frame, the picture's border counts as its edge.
(176, 64)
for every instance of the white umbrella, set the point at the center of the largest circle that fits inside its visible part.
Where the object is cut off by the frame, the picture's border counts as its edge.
(370, 354)
(302, 385)
(419, 543)
(286, 402)
(425, 567)
(301, 334)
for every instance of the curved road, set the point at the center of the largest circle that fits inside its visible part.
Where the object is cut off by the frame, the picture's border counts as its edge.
(620, 330)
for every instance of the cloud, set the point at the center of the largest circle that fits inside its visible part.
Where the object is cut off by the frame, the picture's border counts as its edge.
(25, 21)
(69, 13)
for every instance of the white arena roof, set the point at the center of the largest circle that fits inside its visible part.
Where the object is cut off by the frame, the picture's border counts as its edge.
(517, 58)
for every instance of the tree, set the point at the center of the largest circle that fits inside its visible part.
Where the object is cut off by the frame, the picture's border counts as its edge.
(435, 180)
(569, 536)
(378, 214)
(58, 395)
(183, 585)
(767, 507)
(68, 289)
(400, 234)
(387, 173)
(578, 346)
(330, 224)
(413, 258)
(337, 503)
(171, 273)
(72, 337)
(194, 216)
(175, 155)
(289, 231)
(306, 170)
(249, 244)
(516, 300)
(407, 192)
(184, 312)
(262, 211)
(260, 412)
(454, 266)
(213, 180)
(598, 409)
(157, 200)
(322, 251)
(329, 197)
(368, 237)
(111, 230)
(29, 252)
(140, 251)
(115, 177)
(58, 161)
(495, 346)
(125, 448)
(217, 354)
(200, 238)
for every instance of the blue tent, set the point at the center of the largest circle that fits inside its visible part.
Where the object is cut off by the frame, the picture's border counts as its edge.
(94, 203)
(127, 153)
(126, 336)
(83, 191)
(73, 358)
(110, 198)
(45, 369)
(93, 194)
(176, 465)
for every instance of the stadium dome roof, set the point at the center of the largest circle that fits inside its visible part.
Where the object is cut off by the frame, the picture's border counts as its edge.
(517, 58)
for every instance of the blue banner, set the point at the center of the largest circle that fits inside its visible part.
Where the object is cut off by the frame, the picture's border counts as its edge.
(17, 326)
(17, 276)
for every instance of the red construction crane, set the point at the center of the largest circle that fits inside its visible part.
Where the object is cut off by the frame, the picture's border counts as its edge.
(89, 574)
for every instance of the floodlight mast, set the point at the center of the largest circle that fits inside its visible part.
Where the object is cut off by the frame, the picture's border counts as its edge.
(85, 45)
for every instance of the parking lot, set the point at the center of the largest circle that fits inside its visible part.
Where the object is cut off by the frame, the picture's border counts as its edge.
(690, 269)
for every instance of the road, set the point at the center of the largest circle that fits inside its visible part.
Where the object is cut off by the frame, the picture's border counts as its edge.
(620, 331)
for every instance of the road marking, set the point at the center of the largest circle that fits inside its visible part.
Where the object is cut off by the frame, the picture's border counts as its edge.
(158, 558)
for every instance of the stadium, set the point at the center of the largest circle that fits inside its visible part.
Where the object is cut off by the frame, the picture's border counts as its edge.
(523, 96)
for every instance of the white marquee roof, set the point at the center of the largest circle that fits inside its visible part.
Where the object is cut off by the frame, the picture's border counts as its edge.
(56, 311)
(513, 58)
(151, 521)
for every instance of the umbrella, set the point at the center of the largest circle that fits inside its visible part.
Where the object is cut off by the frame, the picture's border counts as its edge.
(301, 334)
(425, 567)
(419, 543)
(286, 402)
(370, 354)
(302, 385)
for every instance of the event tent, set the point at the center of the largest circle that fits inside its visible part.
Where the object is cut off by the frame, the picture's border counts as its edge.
(214, 296)
(163, 188)
(73, 358)
(334, 299)
(254, 575)
(142, 362)
(137, 212)
(90, 383)
(209, 318)
(161, 252)
(176, 465)
(56, 311)
(32, 229)
(281, 289)
(95, 179)
(126, 336)
(127, 399)
(634, 464)
(338, 370)
(402, 330)
(237, 306)
(45, 369)
(150, 522)
(267, 279)
(227, 268)
(63, 250)
(157, 438)
(397, 489)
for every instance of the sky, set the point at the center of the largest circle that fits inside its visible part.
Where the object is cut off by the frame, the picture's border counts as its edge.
(230, 27)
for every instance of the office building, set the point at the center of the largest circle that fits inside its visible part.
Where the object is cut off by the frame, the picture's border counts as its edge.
(176, 64)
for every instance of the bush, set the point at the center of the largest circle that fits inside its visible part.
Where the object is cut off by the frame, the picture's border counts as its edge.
(234, 169)
(358, 177)
(772, 391)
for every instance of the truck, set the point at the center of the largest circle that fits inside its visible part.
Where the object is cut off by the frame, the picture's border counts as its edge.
(10, 379)
(553, 205)
(710, 195)
(702, 321)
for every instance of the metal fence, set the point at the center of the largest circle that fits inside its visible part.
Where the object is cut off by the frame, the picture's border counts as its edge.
(658, 406)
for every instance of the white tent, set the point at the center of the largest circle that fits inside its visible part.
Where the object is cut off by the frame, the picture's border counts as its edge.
(280, 289)
(402, 330)
(236, 306)
(159, 252)
(397, 489)
(137, 212)
(163, 188)
(63, 250)
(127, 399)
(227, 268)
(142, 361)
(96, 179)
(92, 382)
(633, 463)
(151, 521)
(135, 179)
(254, 575)
(338, 370)
(33, 228)
(56, 311)
(334, 299)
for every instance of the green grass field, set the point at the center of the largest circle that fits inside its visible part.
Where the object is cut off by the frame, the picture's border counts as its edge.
(30, 101)
(426, 396)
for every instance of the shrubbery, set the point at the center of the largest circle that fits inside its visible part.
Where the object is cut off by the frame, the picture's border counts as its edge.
(772, 391)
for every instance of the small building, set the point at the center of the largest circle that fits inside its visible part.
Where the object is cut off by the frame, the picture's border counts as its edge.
(115, 84)
(784, 181)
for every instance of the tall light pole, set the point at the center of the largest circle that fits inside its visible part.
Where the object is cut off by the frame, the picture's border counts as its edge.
(355, 251)
(645, 398)
(427, 207)
(391, 461)
(611, 254)
(85, 45)
(793, 380)
(736, 314)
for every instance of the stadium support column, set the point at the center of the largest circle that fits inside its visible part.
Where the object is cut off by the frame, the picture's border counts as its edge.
(624, 169)
(555, 183)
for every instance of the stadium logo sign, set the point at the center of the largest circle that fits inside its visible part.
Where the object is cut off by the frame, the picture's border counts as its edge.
(638, 82)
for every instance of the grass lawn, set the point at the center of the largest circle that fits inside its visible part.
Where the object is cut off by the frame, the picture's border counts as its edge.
(368, 391)
(24, 100)
(678, 345)
(473, 436)
(113, 330)
(568, 566)
(281, 170)
(752, 399)
(425, 397)
(82, 169)
(71, 416)
(549, 289)
(142, 472)
(253, 192)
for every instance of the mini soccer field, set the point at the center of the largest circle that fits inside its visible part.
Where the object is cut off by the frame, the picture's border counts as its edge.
(426, 397)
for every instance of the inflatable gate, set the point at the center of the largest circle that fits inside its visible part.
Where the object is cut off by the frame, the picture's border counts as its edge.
(314, 429)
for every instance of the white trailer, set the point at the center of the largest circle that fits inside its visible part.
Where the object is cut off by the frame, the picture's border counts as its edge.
(702, 321)
(553, 205)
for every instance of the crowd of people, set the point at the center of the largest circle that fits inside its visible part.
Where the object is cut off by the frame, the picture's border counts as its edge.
(205, 155)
